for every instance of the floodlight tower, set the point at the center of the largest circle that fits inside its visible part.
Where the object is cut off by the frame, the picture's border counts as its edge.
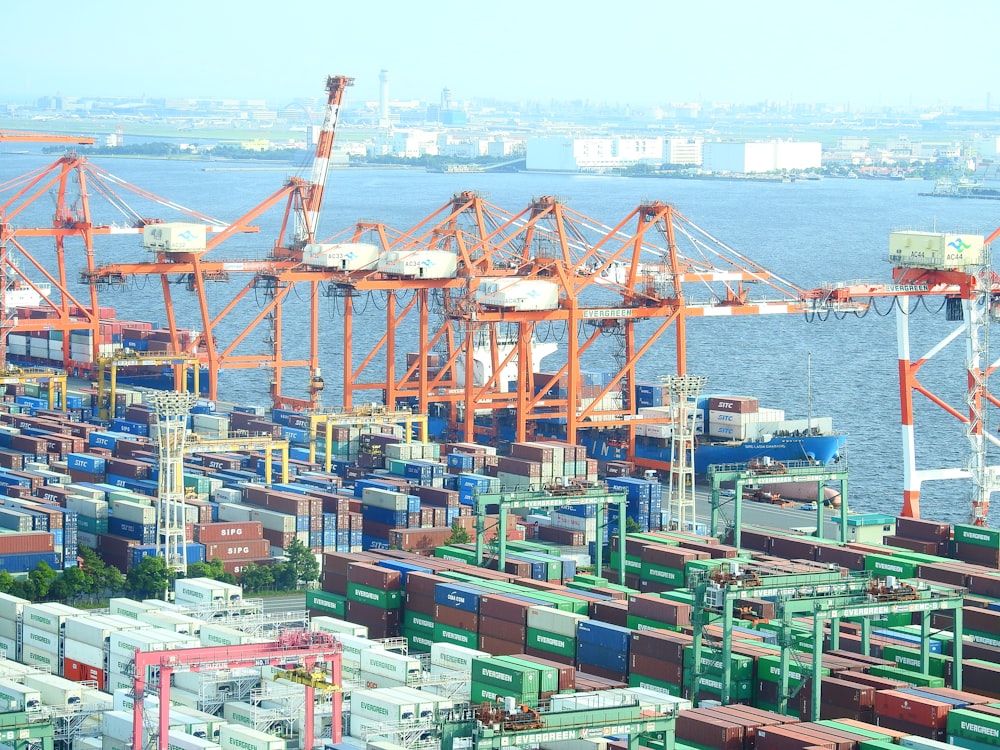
(684, 392)
(172, 409)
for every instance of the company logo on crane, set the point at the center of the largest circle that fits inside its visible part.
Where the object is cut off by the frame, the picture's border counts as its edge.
(959, 244)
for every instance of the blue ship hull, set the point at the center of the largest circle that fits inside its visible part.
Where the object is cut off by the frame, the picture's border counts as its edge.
(823, 449)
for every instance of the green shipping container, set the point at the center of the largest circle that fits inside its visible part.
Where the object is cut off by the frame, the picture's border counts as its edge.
(977, 535)
(548, 677)
(644, 623)
(909, 659)
(972, 725)
(799, 669)
(661, 574)
(505, 676)
(553, 643)
(913, 678)
(420, 642)
(654, 683)
(487, 692)
(334, 605)
(456, 636)
(890, 566)
(741, 666)
(391, 599)
(418, 621)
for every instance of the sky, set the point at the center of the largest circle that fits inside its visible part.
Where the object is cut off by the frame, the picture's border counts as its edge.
(649, 52)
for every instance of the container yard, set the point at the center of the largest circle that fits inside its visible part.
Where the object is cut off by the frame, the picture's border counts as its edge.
(489, 588)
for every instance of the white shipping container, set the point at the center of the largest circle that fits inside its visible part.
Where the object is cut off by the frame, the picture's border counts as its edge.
(49, 617)
(386, 499)
(390, 664)
(235, 737)
(17, 697)
(133, 512)
(382, 705)
(173, 621)
(427, 703)
(353, 646)
(729, 431)
(335, 625)
(55, 690)
(237, 712)
(128, 607)
(93, 656)
(8, 650)
(117, 725)
(220, 635)
(205, 591)
(659, 431)
(188, 741)
(574, 523)
(342, 256)
(452, 656)
(37, 657)
(554, 620)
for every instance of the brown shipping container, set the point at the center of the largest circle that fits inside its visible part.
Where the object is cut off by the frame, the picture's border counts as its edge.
(334, 583)
(26, 541)
(419, 602)
(458, 618)
(503, 608)
(913, 709)
(375, 576)
(660, 645)
(613, 613)
(914, 545)
(734, 404)
(696, 728)
(228, 531)
(661, 669)
(249, 549)
(909, 728)
(984, 584)
(499, 647)
(556, 658)
(661, 610)
(919, 528)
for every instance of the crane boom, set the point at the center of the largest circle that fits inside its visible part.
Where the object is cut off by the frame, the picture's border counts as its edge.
(305, 229)
(23, 136)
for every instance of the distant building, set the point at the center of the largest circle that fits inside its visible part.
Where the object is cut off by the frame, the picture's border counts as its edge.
(684, 151)
(568, 154)
(761, 156)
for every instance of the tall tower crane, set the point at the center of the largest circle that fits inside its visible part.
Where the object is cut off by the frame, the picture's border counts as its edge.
(955, 268)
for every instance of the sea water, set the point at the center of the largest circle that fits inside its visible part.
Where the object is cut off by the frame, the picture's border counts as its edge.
(808, 233)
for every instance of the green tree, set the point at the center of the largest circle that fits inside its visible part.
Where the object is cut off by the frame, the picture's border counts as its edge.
(285, 578)
(256, 577)
(72, 583)
(459, 534)
(150, 578)
(214, 570)
(41, 580)
(102, 579)
(304, 565)
(6, 582)
(632, 526)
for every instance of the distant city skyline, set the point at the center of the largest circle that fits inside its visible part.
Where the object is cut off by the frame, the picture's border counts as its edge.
(853, 54)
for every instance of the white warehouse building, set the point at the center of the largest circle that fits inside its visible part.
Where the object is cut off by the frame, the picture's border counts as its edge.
(568, 154)
(758, 156)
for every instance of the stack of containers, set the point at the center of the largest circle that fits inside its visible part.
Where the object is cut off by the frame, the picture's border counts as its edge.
(307, 510)
(503, 622)
(41, 634)
(235, 737)
(768, 685)
(741, 688)
(85, 639)
(235, 543)
(656, 660)
(123, 645)
(978, 545)
(644, 502)
(133, 520)
(11, 613)
(456, 613)
(494, 679)
(551, 633)
(372, 709)
(418, 610)
(279, 529)
(383, 510)
(374, 598)
(603, 649)
(471, 484)
(92, 516)
(202, 592)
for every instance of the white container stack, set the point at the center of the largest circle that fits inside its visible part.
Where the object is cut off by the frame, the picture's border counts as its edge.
(234, 737)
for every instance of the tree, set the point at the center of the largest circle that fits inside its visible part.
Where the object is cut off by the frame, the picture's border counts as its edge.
(6, 581)
(102, 579)
(214, 570)
(459, 534)
(284, 575)
(72, 583)
(256, 577)
(304, 565)
(41, 580)
(150, 578)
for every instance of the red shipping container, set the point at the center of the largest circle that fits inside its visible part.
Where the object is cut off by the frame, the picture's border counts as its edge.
(78, 672)
(251, 549)
(27, 541)
(912, 709)
(228, 531)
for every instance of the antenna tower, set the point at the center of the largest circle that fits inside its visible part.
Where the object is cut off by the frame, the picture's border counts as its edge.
(684, 392)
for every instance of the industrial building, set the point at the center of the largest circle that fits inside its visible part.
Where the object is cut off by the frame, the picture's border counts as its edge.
(755, 157)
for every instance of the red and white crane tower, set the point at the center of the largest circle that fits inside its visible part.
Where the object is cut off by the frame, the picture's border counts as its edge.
(956, 268)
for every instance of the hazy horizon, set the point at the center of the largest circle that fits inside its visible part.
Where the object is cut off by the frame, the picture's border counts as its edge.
(914, 53)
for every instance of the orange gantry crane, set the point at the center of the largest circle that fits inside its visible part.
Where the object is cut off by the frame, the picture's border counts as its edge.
(273, 277)
(956, 269)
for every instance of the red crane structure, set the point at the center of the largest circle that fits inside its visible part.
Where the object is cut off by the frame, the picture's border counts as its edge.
(955, 268)
(295, 649)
